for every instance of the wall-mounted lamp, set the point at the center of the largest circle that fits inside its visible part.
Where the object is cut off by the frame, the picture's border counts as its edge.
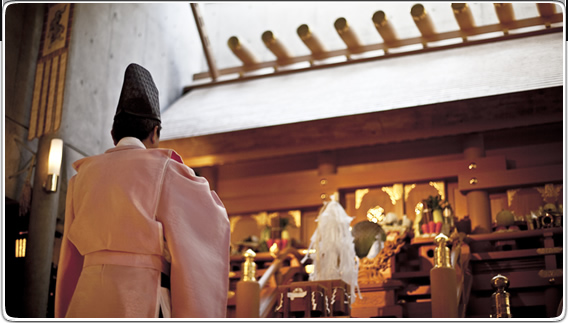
(422, 20)
(384, 27)
(241, 51)
(54, 165)
(276, 47)
(463, 15)
(347, 35)
(310, 40)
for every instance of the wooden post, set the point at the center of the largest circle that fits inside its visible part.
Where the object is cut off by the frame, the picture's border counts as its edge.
(478, 203)
(443, 281)
(248, 290)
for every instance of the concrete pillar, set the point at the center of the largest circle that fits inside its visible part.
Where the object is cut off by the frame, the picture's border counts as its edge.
(41, 235)
(478, 203)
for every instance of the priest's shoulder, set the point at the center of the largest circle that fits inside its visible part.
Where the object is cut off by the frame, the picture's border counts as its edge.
(175, 156)
(179, 167)
(169, 153)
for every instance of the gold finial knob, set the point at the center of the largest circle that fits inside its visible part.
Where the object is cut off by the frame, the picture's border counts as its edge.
(249, 254)
(249, 266)
(500, 300)
(500, 282)
(442, 252)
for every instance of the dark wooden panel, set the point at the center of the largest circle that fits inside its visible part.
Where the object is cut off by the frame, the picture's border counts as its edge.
(518, 279)
(491, 113)
(512, 178)
(303, 189)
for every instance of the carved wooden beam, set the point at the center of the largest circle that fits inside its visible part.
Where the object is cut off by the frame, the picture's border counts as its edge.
(506, 111)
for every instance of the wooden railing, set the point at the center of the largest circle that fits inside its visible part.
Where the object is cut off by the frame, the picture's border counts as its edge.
(449, 296)
(460, 256)
(276, 274)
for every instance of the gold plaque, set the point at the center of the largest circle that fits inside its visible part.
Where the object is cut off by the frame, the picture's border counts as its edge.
(56, 29)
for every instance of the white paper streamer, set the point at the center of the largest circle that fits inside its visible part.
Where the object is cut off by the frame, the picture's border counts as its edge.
(334, 256)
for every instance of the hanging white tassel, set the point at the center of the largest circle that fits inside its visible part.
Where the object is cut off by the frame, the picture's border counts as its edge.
(334, 256)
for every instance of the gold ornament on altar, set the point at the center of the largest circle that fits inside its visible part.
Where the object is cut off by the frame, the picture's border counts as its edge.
(550, 192)
(376, 214)
(373, 271)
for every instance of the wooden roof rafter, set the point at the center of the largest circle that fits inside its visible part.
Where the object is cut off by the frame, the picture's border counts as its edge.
(504, 11)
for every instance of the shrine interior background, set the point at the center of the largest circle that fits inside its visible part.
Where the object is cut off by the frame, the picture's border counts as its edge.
(379, 133)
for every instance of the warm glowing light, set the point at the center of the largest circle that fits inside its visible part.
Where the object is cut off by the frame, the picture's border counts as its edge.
(20, 248)
(55, 156)
(309, 269)
(53, 165)
(418, 208)
(274, 250)
(376, 214)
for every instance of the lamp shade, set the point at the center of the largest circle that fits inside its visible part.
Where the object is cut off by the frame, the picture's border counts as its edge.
(55, 156)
